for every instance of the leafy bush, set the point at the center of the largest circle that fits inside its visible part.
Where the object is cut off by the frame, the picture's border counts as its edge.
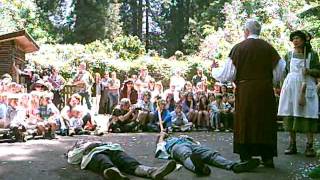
(128, 47)
(99, 57)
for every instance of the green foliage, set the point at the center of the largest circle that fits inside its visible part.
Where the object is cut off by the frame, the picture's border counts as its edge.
(67, 57)
(16, 15)
(310, 20)
(278, 18)
(128, 47)
(192, 40)
(94, 20)
(315, 173)
(113, 33)
(206, 18)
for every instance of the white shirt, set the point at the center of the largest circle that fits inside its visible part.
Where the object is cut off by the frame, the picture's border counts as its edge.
(228, 71)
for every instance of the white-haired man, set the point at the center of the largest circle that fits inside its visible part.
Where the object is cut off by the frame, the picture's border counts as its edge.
(254, 65)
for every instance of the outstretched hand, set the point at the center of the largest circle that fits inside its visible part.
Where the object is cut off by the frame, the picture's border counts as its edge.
(162, 133)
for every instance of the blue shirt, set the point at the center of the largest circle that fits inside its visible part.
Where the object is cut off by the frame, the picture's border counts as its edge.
(165, 114)
(3, 111)
(170, 142)
(163, 150)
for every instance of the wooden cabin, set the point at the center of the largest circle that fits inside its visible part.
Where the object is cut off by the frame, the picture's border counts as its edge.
(13, 47)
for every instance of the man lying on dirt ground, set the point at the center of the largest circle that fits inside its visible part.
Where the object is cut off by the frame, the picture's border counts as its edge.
(195, 157)
(109, 159)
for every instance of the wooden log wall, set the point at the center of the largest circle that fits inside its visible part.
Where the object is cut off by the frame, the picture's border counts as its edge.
(10, 52)
(6, 56)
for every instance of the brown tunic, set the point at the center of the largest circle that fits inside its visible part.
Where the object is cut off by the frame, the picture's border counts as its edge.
(256, 110)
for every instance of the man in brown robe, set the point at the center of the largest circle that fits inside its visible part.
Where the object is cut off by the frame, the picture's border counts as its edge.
(255, 130)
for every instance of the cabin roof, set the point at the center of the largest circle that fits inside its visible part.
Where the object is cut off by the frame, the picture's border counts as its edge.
(23, 39)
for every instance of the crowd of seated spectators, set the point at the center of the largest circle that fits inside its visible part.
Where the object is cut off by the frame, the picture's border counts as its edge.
(138, 104)
(184, 106)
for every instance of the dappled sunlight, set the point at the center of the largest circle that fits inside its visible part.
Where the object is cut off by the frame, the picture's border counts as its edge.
(25, 151)
(44, 141)
(17, 153)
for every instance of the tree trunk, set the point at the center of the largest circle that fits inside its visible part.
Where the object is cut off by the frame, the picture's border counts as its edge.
(134, 11)
(186, 18)
(140, 17)
(147, 24)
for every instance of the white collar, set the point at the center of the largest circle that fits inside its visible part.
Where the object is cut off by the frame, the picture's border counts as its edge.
(253, 36)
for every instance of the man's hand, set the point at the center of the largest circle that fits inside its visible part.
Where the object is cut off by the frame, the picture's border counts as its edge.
(163, 133)
(131, 109)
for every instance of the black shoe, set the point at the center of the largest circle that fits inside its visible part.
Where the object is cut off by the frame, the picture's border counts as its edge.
(268, 163)
(200, 167)
(246, 166)
(310, 152)
(117, 130)
(164, 170)
(114, 174)
(292, 149)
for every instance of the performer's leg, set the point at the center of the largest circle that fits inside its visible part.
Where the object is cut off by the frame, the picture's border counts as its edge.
(87, 98)
(212, 158)
(310, 152)
(131, 166)
(217, 160)
(289, 124)
(183, 153)
(99, 162)
(124, 162)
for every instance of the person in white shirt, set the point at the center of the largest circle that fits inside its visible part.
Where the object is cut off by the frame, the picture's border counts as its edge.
(177, 80)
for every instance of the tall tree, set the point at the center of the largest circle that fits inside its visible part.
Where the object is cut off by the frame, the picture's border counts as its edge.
(147, 24)
(140, 17)
(134, 11)
(178, 17)
(131, 14)
(90, 21)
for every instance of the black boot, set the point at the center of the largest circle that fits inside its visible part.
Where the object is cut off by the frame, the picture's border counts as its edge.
(245, 166)
(113, 173)
(155, 173)
(310, 152)
(292, 149)
(200, 167)
(268, 162)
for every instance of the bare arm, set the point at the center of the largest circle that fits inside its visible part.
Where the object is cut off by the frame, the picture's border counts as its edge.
(161, 137)
(126, 116)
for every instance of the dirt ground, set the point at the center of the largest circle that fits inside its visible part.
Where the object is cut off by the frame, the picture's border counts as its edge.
(44, 159)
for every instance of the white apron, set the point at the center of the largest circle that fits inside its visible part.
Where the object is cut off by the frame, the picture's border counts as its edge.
(291, 89)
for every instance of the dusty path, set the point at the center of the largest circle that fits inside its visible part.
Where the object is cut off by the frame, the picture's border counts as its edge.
(44, 159)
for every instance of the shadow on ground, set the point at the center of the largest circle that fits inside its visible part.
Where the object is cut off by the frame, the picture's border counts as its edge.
(44, 159)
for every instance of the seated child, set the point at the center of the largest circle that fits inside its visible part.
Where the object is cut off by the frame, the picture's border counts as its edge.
(3, 111)
(160, 115)
(16, 116)
(75, 121)
(216, 108)
(227, 115)
(179, 120)
(47, 115)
